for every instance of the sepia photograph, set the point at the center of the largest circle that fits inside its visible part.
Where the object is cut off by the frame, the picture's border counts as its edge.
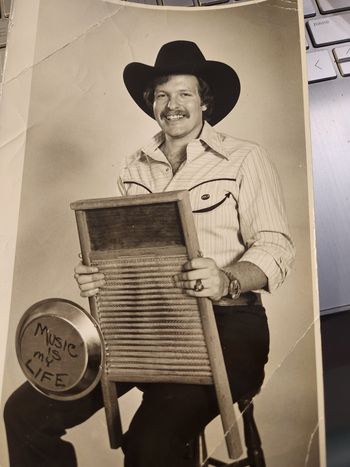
(163, 304)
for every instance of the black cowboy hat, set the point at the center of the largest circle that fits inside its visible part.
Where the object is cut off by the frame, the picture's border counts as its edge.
(185, 58)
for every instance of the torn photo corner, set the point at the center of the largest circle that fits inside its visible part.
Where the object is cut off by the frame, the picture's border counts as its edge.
(105, 99)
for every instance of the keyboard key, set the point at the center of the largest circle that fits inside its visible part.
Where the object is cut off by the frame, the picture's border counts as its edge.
(330, 30)
(330, 6)
(147, 2)
(320, 66)
(211, 2)
(342, 53)
(179, 2)
(309, 9)
(344, 68)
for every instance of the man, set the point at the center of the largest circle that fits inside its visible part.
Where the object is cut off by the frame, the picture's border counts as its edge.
(246, 246)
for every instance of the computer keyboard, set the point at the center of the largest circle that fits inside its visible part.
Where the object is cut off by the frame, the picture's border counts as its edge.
(184, 2)
(327, 39)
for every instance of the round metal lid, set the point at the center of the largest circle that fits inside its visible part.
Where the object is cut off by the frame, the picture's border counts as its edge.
(59, 348)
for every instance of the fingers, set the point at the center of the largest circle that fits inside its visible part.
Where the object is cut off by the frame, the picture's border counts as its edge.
(91, 282)
(196, 285)
(90, 285)
(194, 275)
(85, 279)
(83, 269)
(89, 293)
(208, 290)
(201, 277)
(199, 263)
(88, 279)
(197, 268)
(191, 284)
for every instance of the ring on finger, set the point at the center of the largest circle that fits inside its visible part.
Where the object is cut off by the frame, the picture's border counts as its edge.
(198, 286)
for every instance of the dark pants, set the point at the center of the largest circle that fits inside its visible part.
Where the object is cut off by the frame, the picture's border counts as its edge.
(168, 419)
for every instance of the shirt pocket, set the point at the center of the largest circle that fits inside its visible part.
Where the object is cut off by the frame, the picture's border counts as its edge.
(213, 195)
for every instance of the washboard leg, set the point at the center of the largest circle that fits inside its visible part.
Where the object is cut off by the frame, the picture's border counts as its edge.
(110, 398)
(220, 380)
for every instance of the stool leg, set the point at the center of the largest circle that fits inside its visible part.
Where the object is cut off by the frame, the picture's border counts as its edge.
(251, 434)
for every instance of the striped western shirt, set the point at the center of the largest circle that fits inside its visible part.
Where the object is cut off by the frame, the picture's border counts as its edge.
(235, 197)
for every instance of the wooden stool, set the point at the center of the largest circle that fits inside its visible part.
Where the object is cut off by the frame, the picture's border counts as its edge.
(255, 455)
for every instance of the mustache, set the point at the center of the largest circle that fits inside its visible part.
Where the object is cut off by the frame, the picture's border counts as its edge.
(169, 113)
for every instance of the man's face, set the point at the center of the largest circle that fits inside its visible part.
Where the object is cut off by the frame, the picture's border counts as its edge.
(177, 106)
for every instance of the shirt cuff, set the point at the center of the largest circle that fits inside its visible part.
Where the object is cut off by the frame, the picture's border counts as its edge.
(275, 266)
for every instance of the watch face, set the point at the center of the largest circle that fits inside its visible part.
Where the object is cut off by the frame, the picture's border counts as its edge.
(235, 288)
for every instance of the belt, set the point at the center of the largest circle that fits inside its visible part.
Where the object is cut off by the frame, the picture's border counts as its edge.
(247, 298)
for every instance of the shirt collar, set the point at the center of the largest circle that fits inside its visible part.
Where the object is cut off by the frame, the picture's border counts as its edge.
(212, 139)
(151, 149)
(208, 136)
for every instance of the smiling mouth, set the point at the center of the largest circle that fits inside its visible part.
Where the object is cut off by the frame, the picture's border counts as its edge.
(174, 117)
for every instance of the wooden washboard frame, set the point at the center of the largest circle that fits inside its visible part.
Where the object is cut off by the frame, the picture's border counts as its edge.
(139, 243)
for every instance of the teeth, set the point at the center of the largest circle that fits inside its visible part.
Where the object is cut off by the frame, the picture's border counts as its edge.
(174, 117)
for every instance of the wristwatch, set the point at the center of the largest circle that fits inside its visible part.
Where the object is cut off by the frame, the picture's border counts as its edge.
(234, 286)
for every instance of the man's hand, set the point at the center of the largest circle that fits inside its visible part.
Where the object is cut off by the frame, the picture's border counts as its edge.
(214, 280)
(89, 279)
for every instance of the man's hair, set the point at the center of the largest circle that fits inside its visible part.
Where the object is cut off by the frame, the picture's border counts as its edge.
(204, 92)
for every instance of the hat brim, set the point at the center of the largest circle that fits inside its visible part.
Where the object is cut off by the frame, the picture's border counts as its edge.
(221, 78)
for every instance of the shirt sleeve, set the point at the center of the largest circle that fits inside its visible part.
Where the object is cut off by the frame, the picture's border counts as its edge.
(263, 222)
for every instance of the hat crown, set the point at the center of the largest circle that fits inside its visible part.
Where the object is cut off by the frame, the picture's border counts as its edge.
(179, 54)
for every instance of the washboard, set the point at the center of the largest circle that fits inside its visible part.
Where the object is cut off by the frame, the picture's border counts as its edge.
(152, 331)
